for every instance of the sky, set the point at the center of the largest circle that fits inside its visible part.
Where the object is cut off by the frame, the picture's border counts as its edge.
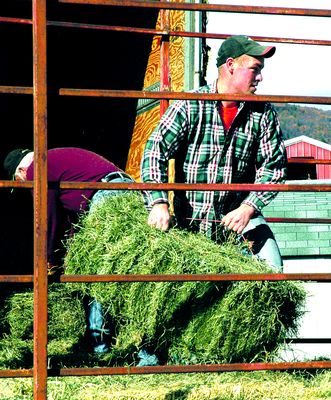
(295, 69)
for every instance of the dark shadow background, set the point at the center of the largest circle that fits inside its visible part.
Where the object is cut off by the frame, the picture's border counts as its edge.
(76, 58)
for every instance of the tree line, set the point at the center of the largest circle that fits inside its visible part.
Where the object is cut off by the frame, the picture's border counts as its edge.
(301, 120)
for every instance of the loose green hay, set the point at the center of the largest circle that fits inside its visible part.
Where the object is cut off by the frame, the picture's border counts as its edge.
(265, 385)
(15, 353)
(65, 314)
(248, 321)
(181, 321)
(66, 325)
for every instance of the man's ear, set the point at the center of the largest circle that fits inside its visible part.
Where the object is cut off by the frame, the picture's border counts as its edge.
(230, 64)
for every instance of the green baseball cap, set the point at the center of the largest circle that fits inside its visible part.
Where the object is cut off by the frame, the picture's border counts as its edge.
(236, 46)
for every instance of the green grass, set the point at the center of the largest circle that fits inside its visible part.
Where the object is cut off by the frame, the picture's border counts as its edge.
(215, 386)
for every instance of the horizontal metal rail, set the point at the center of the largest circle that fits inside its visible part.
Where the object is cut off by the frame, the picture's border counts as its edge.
(273, 277)
(175, 369)
(302, 160)
(16, 20)
(278, 219)
(311, 340)
(317, 277)
(16, 373)
(299, 220)
(165, 369)
(206, 7)
(16, 89)
(160, 32)
(145, 94)
(244, 187)
(16, 278)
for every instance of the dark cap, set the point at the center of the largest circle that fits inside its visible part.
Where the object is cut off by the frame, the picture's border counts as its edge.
(13, 159)
(236, 46)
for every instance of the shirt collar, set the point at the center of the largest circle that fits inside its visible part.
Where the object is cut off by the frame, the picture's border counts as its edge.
(213, 89)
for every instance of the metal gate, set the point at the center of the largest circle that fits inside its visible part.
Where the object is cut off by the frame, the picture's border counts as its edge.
(39, 91)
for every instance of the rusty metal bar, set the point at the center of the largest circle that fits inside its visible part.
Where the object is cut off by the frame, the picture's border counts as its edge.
(300, 220)
(164, 59)
(16, 373)
(166, 369)
(16, 89)
(158, 32)
(179, 186)
(16, 20)
(244, 187)
(201, 186)
(318, 277)
(287, 220)
(308, 340)
(144, 94)
(169, 32)
(299, 160)
(206, 7)
(16, 184)
(40, 200)
(315, 42)
(16, 278)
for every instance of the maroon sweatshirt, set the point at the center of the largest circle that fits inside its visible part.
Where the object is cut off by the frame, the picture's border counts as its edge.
(64, 205)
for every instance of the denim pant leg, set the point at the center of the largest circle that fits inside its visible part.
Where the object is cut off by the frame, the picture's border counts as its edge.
(96, 327)
(264, 243)
(97, 333)
(100, 195)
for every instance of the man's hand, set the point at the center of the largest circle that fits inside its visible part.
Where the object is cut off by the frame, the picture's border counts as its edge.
(159, 216)
(238, 219)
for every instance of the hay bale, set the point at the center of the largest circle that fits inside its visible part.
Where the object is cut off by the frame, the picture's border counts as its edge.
(203, 321)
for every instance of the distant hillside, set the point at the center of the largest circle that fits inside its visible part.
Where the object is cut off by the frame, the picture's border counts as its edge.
(300, 120)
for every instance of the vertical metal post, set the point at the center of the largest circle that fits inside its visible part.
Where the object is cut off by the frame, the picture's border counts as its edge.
(164, 58)
(165, 84)
(40, 200)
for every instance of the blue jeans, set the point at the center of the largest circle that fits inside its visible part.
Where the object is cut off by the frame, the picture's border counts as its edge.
(97, 332)
(113, 177)
(264, 244)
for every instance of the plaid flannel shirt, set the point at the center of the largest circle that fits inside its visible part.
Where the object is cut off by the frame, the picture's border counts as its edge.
(191, 131)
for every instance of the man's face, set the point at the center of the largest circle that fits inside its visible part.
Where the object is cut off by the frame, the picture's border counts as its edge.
(20, 174)
(22, 168)
(247, 73)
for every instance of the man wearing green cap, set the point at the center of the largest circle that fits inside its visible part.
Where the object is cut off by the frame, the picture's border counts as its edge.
(230, 141)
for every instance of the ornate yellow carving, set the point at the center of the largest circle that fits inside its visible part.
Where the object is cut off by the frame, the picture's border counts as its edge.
(146, 122)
